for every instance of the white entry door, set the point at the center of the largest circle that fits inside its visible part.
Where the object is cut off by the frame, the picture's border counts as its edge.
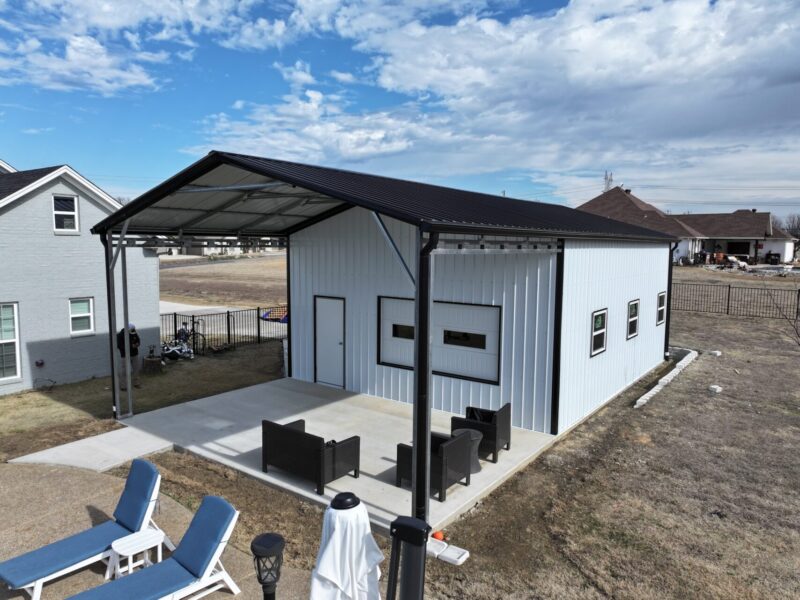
(329, 340)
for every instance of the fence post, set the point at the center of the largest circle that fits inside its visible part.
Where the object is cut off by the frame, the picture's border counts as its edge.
(797, 310)
(258, 325)
(194, 338)
(728, 310)
(228, 323)
(174, 325)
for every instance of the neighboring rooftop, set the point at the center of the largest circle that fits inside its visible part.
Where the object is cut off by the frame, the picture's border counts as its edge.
(620, 204)
(181, 205)
(17, 180)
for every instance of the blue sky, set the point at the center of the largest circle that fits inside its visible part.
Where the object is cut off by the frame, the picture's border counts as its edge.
(692, 104)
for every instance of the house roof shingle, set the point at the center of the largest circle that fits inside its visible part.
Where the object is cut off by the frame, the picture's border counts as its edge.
(739, 224)
(13, 182)
(623, 206)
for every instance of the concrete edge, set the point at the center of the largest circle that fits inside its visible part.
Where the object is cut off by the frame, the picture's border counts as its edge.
(666, 379)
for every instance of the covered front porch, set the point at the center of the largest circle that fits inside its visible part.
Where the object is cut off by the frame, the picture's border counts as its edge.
(226, 428)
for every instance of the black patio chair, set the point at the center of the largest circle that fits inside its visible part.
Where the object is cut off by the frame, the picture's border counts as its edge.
(290, 448)
(495, 425)
(449, 463)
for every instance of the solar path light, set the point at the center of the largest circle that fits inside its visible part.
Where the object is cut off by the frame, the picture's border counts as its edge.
(267, 551)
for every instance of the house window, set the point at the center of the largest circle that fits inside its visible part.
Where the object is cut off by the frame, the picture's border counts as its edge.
(81, 316)
(403, 332)
(599, 324)
(465, 339)
(633, 319)
(661, 314)
(9, 342)
(65, 213)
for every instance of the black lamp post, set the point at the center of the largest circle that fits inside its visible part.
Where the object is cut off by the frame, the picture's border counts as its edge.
(267, 551)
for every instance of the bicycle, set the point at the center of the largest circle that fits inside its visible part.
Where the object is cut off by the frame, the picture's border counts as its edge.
(193, 338)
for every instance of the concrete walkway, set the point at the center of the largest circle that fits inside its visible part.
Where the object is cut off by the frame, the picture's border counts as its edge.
(42, 504)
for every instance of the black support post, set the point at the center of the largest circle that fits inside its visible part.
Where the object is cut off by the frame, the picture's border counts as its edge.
(559, 299)
(669, 303)
(288, 308)
(420, 490)
(112, 322)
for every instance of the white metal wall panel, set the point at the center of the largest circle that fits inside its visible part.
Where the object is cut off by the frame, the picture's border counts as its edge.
(608, 274)
(347, 256)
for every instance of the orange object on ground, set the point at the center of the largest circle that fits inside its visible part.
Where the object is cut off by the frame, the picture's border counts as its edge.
(438, 535)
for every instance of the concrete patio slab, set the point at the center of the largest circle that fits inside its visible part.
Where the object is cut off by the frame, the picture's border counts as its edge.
(226, 428)
(100, 452)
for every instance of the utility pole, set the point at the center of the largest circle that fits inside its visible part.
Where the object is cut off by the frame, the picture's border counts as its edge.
(608, 181)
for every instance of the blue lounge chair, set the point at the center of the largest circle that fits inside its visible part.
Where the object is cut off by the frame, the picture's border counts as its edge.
(29, 572)
(194, 569)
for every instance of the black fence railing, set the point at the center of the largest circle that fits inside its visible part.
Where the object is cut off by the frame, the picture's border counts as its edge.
(769, 303)
(227, 329)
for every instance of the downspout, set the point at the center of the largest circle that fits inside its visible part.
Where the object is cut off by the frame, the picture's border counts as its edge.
(420, 491)
(669, 303)
(555, 385)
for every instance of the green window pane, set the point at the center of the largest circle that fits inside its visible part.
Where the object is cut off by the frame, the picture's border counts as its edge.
(8, 360)
(80, 307)
(81, 323)
(599, 321)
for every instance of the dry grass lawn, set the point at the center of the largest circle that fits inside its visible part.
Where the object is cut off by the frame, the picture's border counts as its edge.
(35, 420)
(244, 282)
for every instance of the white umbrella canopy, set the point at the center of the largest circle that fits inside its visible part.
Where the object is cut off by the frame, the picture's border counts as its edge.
(347, 562)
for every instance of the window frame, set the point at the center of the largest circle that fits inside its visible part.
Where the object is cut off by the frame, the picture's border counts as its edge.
(499, 308)
(660, 320)
(77, 229)
(16, 341)
(593, 333)
(628, 335)
(90, 314)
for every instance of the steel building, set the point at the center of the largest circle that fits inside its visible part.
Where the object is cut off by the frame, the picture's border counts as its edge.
(430, 295)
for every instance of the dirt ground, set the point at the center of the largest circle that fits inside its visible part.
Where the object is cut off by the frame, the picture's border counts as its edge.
(245, 282)
(691, 496)
(35, 420)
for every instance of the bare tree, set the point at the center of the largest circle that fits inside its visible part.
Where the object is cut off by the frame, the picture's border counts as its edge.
(777, 222)
(791, 224)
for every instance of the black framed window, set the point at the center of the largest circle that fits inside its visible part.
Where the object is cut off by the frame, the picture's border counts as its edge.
(633, 319)
(465, 339)
(404, 332)
(661, 313)
(599, 328)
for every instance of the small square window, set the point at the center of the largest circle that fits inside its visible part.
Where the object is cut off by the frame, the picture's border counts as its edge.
(661, 313)
(65, 213)
(404, 332)
(81, 316)
(465, 339)
(633, 319)
(599, 325)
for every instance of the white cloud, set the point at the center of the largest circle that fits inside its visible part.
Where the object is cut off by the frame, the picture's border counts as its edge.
(37, 130)
(297, 75)
(343, 77)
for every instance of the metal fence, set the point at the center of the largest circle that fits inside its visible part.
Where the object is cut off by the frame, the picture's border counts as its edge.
(770, 303)
(233, 328)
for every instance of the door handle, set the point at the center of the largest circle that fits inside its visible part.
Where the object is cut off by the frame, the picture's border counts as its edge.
(341, 343)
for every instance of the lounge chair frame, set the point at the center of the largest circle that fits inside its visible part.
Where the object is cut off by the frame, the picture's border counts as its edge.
(34, 589)
(215, 577)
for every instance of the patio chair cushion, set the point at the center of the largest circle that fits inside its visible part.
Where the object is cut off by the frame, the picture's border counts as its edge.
(133, 503)
(151, 583)
(27, 568)
(204, 535)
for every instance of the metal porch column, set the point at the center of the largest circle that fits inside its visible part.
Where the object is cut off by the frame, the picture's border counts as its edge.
(126, 317)
(111, 300)
(420, 489)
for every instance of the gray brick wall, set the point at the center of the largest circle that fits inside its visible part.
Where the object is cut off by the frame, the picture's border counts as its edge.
(41, 270)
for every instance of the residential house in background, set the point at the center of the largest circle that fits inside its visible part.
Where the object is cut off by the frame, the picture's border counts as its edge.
(53, 303)
(743, 233)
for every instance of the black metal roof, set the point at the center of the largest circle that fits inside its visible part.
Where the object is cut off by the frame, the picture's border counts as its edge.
(430, 207)
(13, 182)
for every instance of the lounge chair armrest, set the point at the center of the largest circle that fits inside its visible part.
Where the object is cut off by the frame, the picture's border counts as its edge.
(299, 425)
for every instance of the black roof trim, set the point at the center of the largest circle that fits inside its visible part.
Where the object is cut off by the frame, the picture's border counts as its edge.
(429, 207)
